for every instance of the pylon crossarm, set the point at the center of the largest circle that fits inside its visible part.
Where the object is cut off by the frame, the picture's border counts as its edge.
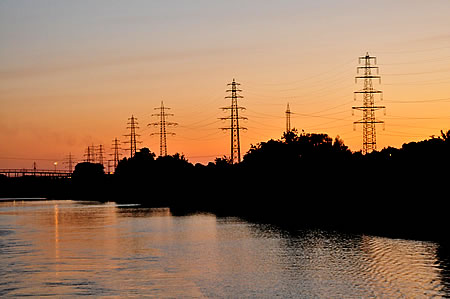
(230, 108)
(368, 91)
(368, 77)
(369, 122)
(367, 57)
(366, 67)
(369, 108)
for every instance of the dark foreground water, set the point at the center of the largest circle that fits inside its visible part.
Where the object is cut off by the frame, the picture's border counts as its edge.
(65, 248)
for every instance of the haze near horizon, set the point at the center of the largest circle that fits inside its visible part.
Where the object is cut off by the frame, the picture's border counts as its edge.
(73, 72)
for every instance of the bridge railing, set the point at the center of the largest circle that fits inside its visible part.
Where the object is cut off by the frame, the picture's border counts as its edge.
(34, 172)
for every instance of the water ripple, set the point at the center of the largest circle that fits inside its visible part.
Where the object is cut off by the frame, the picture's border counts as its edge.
(69, 249)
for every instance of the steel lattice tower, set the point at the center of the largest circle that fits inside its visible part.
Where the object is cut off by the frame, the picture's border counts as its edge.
(116, 152)
(368, 108)
(235, 153)
(288, 119)
(132, 125)
(69, 162)
(162, 123)
(90, 154)
(100, 152)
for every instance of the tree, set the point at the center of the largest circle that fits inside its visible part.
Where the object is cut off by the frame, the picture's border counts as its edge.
(88, 181)
(445, 136)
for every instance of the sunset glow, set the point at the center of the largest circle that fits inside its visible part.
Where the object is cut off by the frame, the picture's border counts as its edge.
(73, 72)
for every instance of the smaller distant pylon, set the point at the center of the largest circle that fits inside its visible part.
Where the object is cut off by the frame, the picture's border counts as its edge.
(132, 125)
(288, 118)
(69, 162)
(116, 152)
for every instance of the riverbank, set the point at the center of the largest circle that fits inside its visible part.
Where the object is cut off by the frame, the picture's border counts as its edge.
(302, 180)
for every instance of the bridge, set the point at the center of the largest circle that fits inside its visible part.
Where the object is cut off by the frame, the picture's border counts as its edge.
(35, 172)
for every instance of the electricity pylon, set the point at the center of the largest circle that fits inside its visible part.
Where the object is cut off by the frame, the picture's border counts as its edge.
(288, 119)
(69, 162)
(90, 154)
(116, 152)
(235, 154)
(368, 108)
(100, 152)
(132, 125)
(162, 123)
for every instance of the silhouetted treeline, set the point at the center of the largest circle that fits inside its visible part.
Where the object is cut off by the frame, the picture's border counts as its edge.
(299, 180)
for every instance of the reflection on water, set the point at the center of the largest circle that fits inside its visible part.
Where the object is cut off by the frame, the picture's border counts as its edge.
(55, 248)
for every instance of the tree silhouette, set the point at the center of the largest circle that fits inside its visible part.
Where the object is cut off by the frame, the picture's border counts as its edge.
(88, 181)
(301, 179)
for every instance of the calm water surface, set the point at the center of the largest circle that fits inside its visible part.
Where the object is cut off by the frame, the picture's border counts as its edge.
(66, 248)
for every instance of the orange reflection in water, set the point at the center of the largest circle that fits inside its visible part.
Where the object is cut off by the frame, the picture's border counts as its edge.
(85, 249)
(56, 232)
(407, 265)
(73, 249)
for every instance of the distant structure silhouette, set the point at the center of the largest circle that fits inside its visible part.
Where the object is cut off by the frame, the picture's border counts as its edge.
(69, 162)
(288, 118)
(235, 153)
(368, 108)
(162, 123)
(100, 154)
(132, 125)
(116, 152)
(90, 154)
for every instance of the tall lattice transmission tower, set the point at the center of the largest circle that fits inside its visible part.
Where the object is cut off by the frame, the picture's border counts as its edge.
(116, 152)
(132, 125)
(162, 123)
(288, 118)
(235, 153)
(368, 108)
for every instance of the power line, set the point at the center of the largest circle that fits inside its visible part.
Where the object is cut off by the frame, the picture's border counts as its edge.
(415, 83)
(318, 75)
(402, 52)
(420, 101)
(420, 73)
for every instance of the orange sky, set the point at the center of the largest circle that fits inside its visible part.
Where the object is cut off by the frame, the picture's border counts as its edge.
(71, 73)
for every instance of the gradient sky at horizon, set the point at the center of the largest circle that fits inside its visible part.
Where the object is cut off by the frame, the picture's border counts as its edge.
(73, 72)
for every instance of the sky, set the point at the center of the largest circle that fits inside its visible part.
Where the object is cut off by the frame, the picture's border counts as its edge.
(73, 72)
